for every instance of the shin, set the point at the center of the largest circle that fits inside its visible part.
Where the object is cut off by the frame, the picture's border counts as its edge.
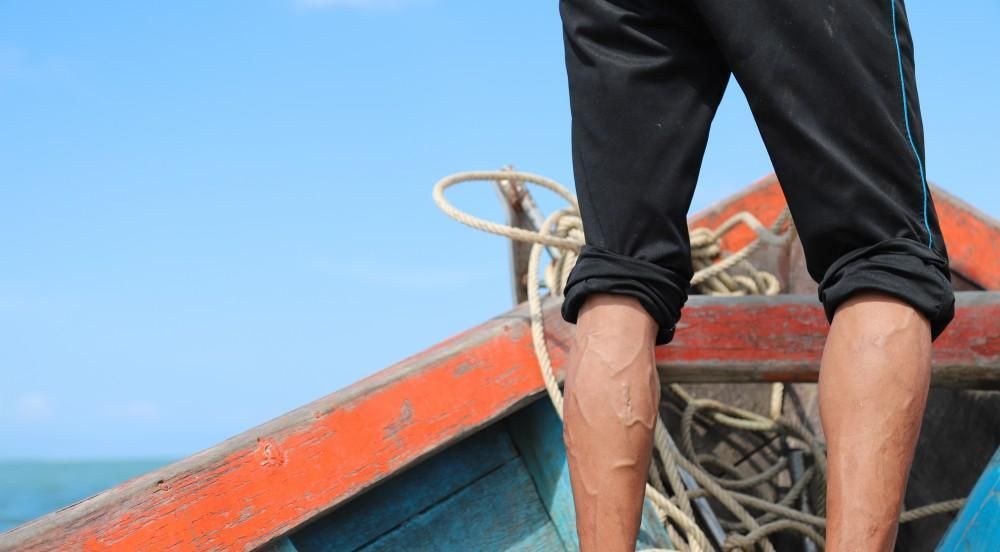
(611, 396)
(874, 381)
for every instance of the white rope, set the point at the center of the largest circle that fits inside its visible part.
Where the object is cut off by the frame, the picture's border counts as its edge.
(563, 229)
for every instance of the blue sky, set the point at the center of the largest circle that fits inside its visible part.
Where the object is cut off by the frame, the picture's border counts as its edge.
(213, 212)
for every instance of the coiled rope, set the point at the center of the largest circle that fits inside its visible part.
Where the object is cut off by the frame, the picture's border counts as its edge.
(562, 235)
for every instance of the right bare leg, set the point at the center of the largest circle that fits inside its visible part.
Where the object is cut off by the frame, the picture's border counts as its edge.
(611, 395)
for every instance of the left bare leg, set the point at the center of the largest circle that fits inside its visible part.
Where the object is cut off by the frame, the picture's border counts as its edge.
(873, 387)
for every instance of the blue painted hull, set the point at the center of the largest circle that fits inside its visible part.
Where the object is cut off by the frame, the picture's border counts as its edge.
(504, 488)
(977, 527)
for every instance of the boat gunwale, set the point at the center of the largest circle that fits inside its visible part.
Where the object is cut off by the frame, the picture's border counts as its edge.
(91, 522)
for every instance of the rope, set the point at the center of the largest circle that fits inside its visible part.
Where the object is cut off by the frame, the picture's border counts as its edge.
(714, 275)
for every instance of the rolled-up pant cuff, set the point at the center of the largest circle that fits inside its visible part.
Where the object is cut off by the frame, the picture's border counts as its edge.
(661, 291)
(902, 268)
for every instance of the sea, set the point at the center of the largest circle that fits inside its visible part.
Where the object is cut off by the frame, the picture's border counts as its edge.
(29, 489)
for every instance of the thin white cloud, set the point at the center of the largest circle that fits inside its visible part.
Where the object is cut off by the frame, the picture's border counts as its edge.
(33, 407)
(20, 66)
(133, 410)
(354, 4)
(12, 62)
(402, 277)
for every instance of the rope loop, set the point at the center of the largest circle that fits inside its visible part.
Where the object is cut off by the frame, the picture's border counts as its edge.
(520, 234)
(716, 274)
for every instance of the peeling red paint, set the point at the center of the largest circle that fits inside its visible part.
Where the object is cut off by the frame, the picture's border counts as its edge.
(337, 449)
(972, 238)
(274, 478)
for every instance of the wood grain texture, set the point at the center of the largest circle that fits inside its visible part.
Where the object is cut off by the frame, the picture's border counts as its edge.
(268, 481)
(972, 238)
(282, 544)
(272, 479)
(500, 512)
(405, 495)
(781, 339)
(537, 432)
(977, 527)
(959, 435)
(544, 455)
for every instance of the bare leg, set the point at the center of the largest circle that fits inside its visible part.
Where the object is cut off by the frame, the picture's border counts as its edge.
(612, 392)
(874, 380)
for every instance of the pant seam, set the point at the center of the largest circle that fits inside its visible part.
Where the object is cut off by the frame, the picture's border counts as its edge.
(906, 123)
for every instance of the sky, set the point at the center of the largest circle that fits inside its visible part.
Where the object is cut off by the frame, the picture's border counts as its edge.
(214, 212)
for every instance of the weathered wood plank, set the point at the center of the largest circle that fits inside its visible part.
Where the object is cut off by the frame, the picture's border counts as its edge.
(266, 482)
(781, 339)
(977, 526)
(973, 240)
(546, 462)
(282, 544)
(537, 432)
(959, 435)
(391, 503)
(499, 512)
(272, 479)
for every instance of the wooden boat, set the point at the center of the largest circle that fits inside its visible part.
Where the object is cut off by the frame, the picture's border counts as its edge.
(457, 448)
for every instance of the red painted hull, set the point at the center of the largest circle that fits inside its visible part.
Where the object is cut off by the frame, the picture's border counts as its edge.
(264, 483)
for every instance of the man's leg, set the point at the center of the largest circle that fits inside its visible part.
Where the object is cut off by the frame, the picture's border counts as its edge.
(873, 386)
(832, 87)
(645, 80)
(611, 395)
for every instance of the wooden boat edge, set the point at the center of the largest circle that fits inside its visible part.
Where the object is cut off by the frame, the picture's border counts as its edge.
(496, 359)
(91, 523)
(973, 237)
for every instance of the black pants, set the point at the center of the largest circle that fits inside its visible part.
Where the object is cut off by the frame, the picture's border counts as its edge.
(831, 86)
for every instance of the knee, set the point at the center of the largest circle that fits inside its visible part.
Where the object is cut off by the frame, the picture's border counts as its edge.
(878, 323)
(894, 281)
(614, 333)
(615, 318)
(659, 290)
(882, 313)
(613, 364)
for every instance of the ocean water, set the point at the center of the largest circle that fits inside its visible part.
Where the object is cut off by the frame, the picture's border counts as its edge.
(29, 489)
